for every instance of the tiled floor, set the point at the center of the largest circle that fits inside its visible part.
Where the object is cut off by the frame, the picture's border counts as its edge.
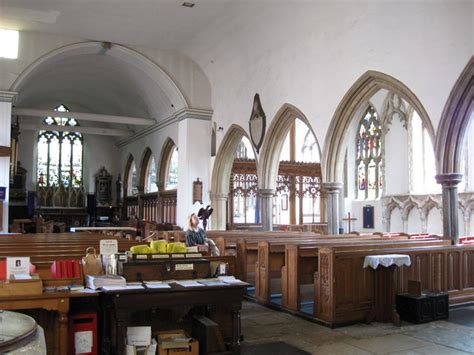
(262, 325)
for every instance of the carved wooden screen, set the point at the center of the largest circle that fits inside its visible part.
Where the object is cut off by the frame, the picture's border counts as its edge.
(243, 204)
(298, 191)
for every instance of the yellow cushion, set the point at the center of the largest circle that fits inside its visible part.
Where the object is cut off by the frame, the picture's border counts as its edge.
(158, 246)
(141, 249)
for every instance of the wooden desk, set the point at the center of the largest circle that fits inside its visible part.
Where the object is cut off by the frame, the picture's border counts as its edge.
(220, 303)
(50, 301)
(104, 230)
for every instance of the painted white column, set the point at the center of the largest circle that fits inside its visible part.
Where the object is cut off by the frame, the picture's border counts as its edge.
(266, 201)
(6, 98)
(332, 191)
(449, 183)
(218, 217)
(194, 156)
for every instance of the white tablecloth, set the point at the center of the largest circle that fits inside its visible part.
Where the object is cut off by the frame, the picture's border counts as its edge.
(387, 260)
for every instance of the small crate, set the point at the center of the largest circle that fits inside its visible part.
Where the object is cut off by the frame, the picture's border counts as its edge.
(166, 347)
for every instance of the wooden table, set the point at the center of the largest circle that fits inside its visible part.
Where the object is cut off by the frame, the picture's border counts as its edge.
(223, 303)
(50, 301)
(125, 230)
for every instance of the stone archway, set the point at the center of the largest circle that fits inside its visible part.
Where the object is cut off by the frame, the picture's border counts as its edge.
(359, 94)
(451, 131)
(272, 145)
(221, 172)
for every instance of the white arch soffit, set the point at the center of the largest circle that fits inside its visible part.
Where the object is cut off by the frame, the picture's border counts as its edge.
(222, 168)
(360, 92)
(273, 144)
(126, 55)
(455, 121)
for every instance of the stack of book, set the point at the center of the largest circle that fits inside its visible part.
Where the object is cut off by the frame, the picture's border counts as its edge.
(97, 281)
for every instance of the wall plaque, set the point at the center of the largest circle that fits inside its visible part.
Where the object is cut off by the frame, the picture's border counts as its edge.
(257, 123)
(197, 191)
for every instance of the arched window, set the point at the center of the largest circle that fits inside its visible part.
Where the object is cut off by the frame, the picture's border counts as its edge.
(150, 176)
(172, 171)
(423, 159)
(369, 156)
(132, 180)
(60, 152)
(297, 198)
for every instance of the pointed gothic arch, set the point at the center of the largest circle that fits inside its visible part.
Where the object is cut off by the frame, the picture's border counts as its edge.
(126, 175)
(455, 121)
(146, 156)
(165, 157)
(221, 173)
(272, 145)
(359, 93)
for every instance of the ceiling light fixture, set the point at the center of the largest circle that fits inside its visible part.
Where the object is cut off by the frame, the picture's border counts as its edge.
(188, 4)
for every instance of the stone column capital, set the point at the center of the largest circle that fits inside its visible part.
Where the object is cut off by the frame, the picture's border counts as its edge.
(7, 96)
(449, 180)
(266, 192)
(219, 196)
(331, 187)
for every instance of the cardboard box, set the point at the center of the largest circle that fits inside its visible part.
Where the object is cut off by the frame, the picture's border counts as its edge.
(12, 288)
(168, 346)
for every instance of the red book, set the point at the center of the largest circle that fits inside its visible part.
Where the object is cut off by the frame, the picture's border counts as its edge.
(3, 270)
(77, 269)
(54, 270)
(70, 269)
(62, 269)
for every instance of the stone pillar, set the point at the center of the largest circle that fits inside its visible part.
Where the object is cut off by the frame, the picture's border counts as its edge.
(194, 160)
(449, 184)
(332, 191)
(6, 98)
(219, 215)
(266, 202)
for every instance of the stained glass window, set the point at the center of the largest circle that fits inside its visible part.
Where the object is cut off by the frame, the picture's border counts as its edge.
(369, 156)
(59, 152)
(172, 172)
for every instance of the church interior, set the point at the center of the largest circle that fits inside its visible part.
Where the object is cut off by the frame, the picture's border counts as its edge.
(325, 147)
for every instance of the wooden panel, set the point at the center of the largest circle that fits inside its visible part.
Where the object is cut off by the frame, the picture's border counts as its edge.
(4, 151)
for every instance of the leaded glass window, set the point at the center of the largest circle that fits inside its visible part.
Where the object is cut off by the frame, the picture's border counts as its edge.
(60, 152)
(150, 184)
(369, 156)
(132, 183)
(172, 171)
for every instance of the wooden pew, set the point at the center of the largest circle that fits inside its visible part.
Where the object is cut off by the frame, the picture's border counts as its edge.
(349, 297)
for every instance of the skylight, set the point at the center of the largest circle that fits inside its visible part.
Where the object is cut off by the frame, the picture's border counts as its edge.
(8, 44)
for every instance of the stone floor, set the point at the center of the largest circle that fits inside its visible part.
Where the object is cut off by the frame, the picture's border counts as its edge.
(261, 325)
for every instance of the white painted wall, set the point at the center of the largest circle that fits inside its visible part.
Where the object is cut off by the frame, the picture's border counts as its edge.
(434, 223)
(396, 223)
(397, 172)
(100, 151)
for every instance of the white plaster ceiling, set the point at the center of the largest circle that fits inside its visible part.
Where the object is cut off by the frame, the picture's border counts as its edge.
(163, 24)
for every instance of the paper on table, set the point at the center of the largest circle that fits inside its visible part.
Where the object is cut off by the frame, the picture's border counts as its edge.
(83, 342)
(230, 280)
(157, 285)
(116, 288)
(139, 336)
(189, 283)
(21, 276)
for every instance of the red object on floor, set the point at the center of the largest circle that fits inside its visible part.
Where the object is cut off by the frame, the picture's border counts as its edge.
(86, 325)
